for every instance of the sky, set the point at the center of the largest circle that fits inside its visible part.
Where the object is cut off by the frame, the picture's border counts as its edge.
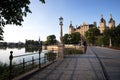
(44, 20)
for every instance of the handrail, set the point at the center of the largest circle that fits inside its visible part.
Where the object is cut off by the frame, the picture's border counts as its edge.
(25, 65)
(24, 55)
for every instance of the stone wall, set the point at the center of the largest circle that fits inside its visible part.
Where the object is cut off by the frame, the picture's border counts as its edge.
(55, 47)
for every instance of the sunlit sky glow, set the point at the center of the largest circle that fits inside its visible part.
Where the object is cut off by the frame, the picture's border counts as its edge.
(44, 19)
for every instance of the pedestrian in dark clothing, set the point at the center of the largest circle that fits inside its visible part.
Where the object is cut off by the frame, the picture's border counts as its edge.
(85, 46)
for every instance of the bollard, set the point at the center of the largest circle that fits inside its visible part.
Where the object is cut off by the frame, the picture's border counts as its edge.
(10, 67)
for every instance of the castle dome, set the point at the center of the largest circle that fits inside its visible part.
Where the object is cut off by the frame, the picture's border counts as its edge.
(111, 19)
(102, 19)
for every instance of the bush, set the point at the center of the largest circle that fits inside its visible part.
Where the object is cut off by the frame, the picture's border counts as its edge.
(50, 56)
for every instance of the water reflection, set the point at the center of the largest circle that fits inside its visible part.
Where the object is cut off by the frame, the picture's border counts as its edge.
(31, 49)
(5, 53)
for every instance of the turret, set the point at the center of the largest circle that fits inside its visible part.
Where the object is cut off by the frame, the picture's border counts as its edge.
(102, 24)
(71, 28)
(111, 23)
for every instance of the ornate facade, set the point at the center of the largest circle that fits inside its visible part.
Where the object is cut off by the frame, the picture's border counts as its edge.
(85, 27)
(102, 26)
(81, 29)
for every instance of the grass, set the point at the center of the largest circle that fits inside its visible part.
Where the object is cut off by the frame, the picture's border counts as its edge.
(4, 71)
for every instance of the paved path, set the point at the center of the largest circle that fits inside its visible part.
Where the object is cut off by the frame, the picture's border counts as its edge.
(82, 67)
(111, 61)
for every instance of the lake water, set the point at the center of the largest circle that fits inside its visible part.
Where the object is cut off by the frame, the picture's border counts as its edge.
(5, 53)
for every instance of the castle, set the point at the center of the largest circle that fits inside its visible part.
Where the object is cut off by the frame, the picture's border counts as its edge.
(85, 27)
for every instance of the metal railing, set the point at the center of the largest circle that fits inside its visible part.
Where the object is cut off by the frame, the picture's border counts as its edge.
(25, 65)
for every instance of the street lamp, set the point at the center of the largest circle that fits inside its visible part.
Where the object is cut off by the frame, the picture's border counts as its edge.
(61, 32)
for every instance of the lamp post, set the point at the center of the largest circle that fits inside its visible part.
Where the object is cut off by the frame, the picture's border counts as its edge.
(61, 45)
(61, 32)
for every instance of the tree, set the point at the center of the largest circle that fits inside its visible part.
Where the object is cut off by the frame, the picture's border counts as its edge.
(91, 35)
(102, 40)
(12, 12)
(31, 43)
(75, 38)
(51, 40)
(66, 39)
(116, 40)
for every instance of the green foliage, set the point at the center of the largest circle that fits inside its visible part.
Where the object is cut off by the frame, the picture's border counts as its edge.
(94, 37)
(4, 71)
(66, 39)
(50, 56)
(102, 40)
(12, 12)
(51, 40)
(116, 37)
(43, 1)
(73, 38)
(31, 43)
(91, 35)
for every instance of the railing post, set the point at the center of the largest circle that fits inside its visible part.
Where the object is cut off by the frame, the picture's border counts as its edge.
(40, 49)
(39, 59)
(32, 61)
(45, 59)
(23, 64)
(10, 67)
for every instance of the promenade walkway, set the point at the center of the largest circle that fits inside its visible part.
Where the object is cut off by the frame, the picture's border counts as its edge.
(77, 67)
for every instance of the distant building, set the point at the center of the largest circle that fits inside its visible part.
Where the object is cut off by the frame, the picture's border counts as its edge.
(82, 28)
(85, 27)
(102, 26)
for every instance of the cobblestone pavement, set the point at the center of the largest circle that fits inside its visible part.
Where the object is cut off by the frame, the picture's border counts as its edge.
(80, 67)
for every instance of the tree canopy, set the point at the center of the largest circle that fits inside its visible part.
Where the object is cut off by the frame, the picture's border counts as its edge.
(92, 34)
(51, 40)
(12, 12)
(73, 38)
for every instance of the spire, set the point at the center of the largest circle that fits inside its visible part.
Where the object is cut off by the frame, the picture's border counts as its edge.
(111, 19)
(101, 15)
(102, 19)
(70, 23)
(110, 15)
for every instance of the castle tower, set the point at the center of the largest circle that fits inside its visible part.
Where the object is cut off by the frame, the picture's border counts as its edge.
(102, 24)
(71, 28)
(111, 23)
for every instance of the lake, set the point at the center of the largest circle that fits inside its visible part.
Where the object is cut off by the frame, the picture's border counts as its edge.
(5, 53)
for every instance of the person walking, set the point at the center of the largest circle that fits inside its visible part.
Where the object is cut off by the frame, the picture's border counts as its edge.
(85, 46)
